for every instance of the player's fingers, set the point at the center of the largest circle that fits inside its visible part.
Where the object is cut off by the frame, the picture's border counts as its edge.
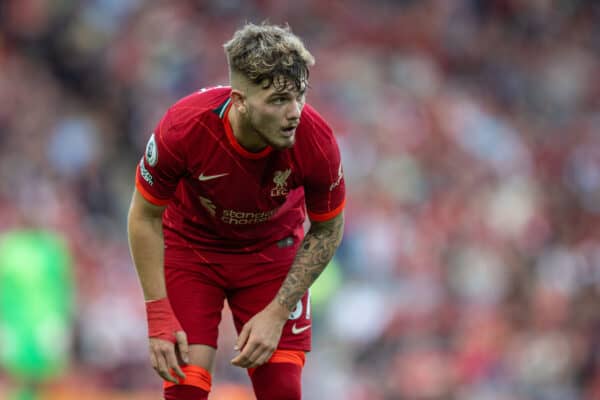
(254, 354)
(163, 369)
(173, 365)
(242, 338)
(153, 361)
(243, 359)
(251, 357)
(263, 358)
(260, 356)
(182, 345)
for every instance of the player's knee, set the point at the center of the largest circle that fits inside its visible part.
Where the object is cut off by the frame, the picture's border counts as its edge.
(277, 381)
(196, 386)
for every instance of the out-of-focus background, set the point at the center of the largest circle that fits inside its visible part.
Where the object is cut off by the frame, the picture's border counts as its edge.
(470, 134)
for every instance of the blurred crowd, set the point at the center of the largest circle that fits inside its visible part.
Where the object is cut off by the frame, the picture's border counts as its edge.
(470, 135)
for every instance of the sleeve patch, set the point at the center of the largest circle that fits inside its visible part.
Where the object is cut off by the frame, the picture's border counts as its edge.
(152, 151)
(145, 174)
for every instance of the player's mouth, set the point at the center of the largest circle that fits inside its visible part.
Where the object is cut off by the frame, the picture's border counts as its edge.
(289, 131)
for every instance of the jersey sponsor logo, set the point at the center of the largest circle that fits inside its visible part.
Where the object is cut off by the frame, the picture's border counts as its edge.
(339, 179)
(234, 217)
(203, 177)
(297, 331)
(280, 180)
(145, 174)
(151, 151)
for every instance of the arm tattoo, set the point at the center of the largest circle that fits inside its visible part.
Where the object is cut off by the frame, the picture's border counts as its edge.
(314, 253)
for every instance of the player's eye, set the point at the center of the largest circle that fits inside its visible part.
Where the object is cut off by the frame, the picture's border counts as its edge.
(278, 100)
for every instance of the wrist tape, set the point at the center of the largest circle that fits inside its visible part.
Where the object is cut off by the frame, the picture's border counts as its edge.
(162, 322)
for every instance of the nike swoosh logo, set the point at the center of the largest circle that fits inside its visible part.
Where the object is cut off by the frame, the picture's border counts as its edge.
(297, 331)
(203, 177)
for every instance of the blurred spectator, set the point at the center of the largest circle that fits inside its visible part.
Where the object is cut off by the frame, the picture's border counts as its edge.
(470, 134)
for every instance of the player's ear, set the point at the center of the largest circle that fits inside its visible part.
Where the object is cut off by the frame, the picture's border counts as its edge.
(238, 100)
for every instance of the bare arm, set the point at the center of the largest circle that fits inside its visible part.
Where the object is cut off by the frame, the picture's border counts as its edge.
(315, 252)
(259, 336)
(146, 243)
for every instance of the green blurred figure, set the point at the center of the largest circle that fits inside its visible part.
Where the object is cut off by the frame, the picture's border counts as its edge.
(36, 309)
(326, 285)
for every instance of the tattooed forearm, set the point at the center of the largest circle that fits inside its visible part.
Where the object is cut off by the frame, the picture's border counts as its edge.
(317, 248)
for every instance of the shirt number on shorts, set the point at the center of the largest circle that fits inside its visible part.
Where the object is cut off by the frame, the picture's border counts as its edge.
(297, 313)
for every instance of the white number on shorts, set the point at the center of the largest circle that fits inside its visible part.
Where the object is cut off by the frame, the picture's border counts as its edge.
(299, 308)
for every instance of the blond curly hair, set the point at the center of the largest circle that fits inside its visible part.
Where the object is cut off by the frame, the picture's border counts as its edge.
(269, 55)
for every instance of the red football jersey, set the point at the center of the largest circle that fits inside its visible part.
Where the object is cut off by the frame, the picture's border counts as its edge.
(223, 201)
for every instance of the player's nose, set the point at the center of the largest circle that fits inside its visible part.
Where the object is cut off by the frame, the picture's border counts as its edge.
(294, 110)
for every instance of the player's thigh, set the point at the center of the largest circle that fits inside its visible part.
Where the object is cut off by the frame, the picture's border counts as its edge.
(203, 356)
(197, 299)
(248, 301)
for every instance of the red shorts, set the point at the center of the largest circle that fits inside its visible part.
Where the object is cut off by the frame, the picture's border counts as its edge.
(197, 292)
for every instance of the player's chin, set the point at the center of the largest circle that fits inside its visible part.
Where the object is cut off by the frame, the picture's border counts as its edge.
(283, 142)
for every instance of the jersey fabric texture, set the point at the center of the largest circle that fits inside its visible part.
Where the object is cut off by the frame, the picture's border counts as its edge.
(229, 205)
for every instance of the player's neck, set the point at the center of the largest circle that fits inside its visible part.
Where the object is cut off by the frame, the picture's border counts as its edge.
(244, 133)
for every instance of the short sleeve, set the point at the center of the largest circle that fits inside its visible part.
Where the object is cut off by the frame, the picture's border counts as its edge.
(162, 165)
(324, 187)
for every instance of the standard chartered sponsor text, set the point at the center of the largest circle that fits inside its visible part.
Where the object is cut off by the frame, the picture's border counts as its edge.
(243, 218)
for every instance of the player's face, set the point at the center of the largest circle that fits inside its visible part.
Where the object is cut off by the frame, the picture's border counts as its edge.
(274, 114)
